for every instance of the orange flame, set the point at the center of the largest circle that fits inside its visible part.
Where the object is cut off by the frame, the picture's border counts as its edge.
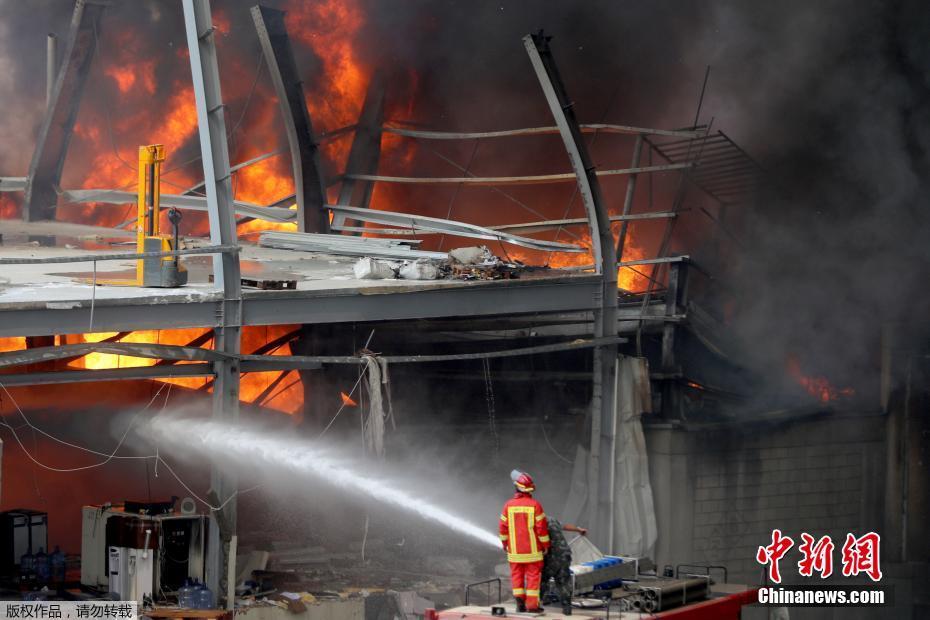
(818, 387)
(329, 27)
(278, 390)
(8, 208)
(628, 278)
(347, 400)
(16, 343)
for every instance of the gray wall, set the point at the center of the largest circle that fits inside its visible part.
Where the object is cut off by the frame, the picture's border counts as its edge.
(720, 491)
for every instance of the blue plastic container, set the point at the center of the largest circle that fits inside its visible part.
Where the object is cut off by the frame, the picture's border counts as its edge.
(27, 567)
(59, 565)
(185, 595)
(203, 598)
(42, 566)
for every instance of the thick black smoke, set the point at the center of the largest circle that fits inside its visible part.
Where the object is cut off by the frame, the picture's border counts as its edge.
(834, 99)
(830, 97)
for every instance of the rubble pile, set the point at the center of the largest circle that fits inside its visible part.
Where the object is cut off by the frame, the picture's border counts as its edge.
(471, 263)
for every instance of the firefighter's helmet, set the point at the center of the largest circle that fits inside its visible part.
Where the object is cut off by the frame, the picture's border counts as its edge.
(522, 481)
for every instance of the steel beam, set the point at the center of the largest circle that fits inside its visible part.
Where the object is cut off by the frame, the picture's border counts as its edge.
(211, 124)
(194, 203)
(309, 186)
(450, 227)
(491, 298)
(112, 374)
(48, 159)
(537, 131)
(12, 184)
(535, 179)
(50, 352)
(51, 66)
(675, 302)
(603, 402)
(535, 227)
(628, 199)
(366, 150)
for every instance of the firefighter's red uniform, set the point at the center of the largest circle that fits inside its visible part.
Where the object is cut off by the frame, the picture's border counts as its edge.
(524, 533)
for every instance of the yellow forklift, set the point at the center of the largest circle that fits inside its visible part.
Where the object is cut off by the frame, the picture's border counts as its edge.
(158, 271)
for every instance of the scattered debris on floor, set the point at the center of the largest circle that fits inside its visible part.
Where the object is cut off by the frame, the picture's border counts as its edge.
(422, 269)
(368, 268)
(392, 579)
(471, 263)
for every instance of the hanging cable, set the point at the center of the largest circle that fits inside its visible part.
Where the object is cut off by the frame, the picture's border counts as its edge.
(458, 187)
(489, 398)
(551, 447)
(344, 402)
(248, 99)
(108, 458)
(112, 455)
(352, 391)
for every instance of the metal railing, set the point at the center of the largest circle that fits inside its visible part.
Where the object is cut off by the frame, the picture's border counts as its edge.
(486, 582)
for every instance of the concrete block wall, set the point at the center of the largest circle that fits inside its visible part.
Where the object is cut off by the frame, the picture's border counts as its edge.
(721, 491)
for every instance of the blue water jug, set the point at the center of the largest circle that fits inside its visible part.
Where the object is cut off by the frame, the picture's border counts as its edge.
(184, 595)
(203, 598)
(59, 565)
(42, 566)
(27, 567)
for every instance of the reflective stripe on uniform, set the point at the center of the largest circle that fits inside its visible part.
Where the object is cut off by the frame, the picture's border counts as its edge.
(512, 531)
(518, 591)
(530, 512)
(540, 517)
(503, 518)
(521, 558)
(504, 536)
(533, 593)
(544, 538)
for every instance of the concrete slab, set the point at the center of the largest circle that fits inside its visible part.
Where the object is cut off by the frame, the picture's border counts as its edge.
(55, 282)
(51, 298)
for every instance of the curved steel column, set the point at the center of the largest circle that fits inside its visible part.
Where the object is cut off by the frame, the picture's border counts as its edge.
(601, 488)
(309, 187)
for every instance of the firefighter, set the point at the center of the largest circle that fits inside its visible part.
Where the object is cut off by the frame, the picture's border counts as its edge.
(524, 533)
(556, 565)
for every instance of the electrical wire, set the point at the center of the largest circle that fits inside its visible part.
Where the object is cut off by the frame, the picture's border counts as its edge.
(455, 193)
(551, 447)
(492, 410)
(351, 392)
(112, 455)
(354, 387)
(248, 99)
(571, 201)
(108, 458)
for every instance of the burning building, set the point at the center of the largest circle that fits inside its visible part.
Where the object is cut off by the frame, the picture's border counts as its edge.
(374, 252)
